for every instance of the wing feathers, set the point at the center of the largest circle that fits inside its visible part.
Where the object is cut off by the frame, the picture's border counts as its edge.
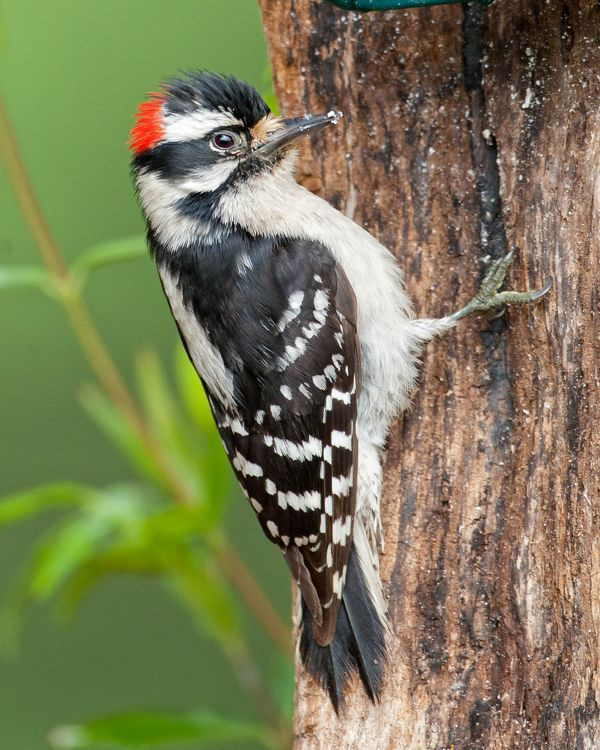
(307, 588)
(291, 439)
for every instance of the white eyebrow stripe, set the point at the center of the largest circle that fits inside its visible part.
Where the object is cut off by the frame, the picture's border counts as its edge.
(196, 124)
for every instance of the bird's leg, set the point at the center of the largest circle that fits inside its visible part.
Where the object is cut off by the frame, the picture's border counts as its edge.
(488, 297)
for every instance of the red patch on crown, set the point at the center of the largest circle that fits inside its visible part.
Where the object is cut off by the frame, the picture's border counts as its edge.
(148, 129)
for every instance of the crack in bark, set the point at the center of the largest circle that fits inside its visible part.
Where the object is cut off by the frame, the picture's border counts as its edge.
(494, 243)
(484, 150)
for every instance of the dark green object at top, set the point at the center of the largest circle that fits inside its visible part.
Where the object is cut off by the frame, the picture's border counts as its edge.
(367, 5)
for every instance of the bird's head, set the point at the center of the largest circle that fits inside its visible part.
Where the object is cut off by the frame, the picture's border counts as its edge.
(202, 135)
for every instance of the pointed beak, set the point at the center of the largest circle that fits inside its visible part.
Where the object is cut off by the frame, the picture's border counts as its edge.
(294, 128)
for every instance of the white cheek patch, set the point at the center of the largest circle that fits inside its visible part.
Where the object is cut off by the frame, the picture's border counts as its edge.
(196, 124)
(159, 198)
(207, 180)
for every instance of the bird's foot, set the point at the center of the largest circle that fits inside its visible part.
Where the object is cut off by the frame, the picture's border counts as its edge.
(489, 298)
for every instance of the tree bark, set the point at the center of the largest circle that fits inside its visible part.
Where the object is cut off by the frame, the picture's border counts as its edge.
(468, 132)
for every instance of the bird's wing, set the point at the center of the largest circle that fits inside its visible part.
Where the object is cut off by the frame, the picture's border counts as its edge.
(292, 439)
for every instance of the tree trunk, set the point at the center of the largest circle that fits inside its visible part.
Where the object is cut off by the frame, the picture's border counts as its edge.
(468, 132)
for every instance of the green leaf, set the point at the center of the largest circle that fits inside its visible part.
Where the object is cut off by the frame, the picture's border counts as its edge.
(116, 513)
(200, 585)
(212, 461)
(151, 543)
(120, 432)
(166, 420)
(19, 276)
(156, 394)
(63, 551)
(23, 505)
(109, 253)
(148, 729)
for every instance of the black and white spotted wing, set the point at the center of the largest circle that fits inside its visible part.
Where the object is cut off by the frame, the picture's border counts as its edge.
(291, 439)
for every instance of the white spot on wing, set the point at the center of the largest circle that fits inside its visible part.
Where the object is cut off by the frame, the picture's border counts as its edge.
(293, 310)
(320, 382)
(321, 301)
(341, 530)
(304, 390)
(312, 329)
(341, 396)
(245, 467)
(338, 584)
(244, 264)
(237, 427)
(292, 353)
(304, 451)
(341, 485)
(341, 439)
(305, 501)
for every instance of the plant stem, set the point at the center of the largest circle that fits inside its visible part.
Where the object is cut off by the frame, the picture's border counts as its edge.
(253, 595)
(34, 217)
(250, 679)
(105, 369)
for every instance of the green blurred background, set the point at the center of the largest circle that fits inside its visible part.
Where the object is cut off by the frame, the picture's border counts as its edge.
(72, 73)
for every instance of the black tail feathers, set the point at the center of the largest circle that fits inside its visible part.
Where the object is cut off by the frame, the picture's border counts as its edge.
(359, 643)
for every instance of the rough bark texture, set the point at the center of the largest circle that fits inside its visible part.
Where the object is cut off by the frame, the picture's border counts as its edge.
(468, 132)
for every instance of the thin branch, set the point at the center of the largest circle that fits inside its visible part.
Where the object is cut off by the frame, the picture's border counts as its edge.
(105, 369)
(26, 197)
(253, 595)
(250, 679)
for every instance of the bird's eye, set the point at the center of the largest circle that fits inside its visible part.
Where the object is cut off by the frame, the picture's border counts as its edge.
(222, 141)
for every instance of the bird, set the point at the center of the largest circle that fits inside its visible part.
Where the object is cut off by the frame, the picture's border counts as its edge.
(298, 324)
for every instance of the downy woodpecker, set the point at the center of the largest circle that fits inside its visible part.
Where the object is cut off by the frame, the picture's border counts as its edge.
(299, 327)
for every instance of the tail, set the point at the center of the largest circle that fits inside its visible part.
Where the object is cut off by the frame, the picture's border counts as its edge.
(359, 643)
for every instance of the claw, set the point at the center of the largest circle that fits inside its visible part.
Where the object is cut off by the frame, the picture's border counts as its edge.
(488, 297)
(543, 291)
